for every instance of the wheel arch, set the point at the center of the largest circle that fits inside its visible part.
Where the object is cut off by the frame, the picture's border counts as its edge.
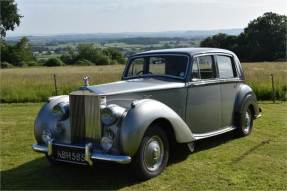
(166, 126)
(245, 98)
(145, 113)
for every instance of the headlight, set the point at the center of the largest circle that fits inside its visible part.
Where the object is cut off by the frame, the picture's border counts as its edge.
(107, 116)
(62, 110)
(111, 113)
(47, 136)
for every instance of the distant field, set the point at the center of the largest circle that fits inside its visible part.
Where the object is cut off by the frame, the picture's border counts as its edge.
(36, 84)
(258, 76)
(256, 162)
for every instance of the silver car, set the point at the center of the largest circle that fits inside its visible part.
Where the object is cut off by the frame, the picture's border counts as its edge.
(164, 97)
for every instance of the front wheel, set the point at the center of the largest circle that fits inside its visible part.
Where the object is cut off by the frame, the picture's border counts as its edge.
(153, 154)
(245, 123)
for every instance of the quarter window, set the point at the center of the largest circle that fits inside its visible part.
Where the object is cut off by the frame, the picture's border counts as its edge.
(226, 67)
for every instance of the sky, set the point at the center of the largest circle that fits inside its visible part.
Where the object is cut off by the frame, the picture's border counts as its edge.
(47, 17)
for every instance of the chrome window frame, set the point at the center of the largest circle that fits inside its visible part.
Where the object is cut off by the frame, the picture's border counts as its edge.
(233, 65)
(217, 79)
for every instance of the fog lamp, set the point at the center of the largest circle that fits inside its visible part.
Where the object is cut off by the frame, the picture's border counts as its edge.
(106, 143)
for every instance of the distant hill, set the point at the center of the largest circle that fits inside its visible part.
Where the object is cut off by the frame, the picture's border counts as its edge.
(193, 34)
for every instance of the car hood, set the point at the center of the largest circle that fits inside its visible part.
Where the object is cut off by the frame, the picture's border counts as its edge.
(134, 85)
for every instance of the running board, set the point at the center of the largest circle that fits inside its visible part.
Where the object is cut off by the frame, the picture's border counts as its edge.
(213, 133)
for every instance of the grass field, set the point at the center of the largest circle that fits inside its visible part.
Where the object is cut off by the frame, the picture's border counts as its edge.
(36, 84)
(256, 162)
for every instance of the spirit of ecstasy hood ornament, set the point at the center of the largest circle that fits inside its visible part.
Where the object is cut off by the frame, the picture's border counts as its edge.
(86, 81)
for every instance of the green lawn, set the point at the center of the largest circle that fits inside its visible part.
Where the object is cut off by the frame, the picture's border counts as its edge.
(256, 162)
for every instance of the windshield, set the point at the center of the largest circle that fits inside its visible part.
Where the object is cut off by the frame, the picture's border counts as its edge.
(174, 66)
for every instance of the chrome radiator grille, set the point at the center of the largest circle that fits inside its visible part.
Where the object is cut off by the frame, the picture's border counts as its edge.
(85, 116)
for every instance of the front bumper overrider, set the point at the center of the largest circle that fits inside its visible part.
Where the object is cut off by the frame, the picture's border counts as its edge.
(90, 155)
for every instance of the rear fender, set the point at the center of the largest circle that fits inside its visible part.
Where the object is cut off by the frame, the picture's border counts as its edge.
(245, 98)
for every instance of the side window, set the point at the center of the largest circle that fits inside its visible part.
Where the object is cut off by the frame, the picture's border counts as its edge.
(206, 67)
(226, 67)
(157, 65)
(136, 67)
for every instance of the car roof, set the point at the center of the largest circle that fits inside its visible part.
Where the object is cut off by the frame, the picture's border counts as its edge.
(192, 51)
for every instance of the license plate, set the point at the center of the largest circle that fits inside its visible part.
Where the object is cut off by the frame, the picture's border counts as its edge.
(69, 154)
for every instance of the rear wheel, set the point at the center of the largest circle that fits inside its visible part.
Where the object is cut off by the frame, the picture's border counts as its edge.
(246, 122)
(153, 154)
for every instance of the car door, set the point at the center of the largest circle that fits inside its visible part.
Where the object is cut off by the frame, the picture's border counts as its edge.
(229, 82)
(203, 111)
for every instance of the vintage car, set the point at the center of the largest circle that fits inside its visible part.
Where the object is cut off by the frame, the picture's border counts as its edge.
(164, 97)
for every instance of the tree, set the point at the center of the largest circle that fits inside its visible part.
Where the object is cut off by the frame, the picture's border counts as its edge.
(53, 62)
(264, 39)
(220, 40)
(115, 55)
(19, 54)
(23, 49)
(9, 16)
(87, 54)
(69, 57)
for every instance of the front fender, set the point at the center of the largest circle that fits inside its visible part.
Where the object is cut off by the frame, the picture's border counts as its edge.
(46, 119)
(139, 118)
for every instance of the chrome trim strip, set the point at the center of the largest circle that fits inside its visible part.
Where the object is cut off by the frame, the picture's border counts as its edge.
(205, 82)
(40, 148)
(214, 133)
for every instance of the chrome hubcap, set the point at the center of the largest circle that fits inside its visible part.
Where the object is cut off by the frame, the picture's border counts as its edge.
(153, 153)
(247, 122)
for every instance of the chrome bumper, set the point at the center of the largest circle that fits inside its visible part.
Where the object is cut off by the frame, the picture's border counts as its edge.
(89, 156)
